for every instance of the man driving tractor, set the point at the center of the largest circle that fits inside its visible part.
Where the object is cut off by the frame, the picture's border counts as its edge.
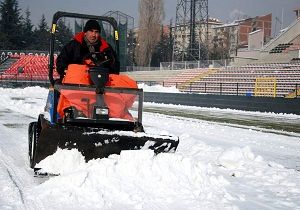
(88, 49)
(83, 44)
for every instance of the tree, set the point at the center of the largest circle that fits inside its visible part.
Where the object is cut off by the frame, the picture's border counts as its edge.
(151, 16)
(220, 46)
(64, 34)
(131, 48)
(27, 30)
(4, 42)
(42, 35)
(164, 48)
(10, 25)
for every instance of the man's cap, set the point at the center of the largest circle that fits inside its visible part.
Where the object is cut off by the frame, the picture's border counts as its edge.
(91, 25)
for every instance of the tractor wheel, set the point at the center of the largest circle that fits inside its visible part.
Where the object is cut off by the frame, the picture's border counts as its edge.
(32, 143)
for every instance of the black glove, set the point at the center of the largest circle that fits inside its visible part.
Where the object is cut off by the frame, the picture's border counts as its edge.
(58, 81)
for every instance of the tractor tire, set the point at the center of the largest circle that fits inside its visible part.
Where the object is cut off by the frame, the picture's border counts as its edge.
(32, 143)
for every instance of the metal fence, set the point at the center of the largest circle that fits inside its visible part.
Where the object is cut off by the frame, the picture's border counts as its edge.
(20, 76)
(21, 82)
(141, 68)
(180, 65)
(238, 89)
(194, 64)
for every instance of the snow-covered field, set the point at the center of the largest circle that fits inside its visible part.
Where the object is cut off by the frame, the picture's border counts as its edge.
(216, 166)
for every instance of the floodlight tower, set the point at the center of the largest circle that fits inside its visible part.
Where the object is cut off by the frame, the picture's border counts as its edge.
(191, 30)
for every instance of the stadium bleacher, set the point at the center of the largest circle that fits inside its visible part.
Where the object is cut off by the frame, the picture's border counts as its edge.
(232, 80)
(280, 48)
(238, 80)
(27, 67)
(185, 76)
(153, 77)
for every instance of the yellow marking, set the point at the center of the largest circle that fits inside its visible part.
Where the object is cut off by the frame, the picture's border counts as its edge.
(265, 86)
(116, 35)
(53, 28)
(293, 94)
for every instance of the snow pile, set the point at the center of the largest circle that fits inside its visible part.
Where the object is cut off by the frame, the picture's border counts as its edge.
(133, 180)
(158, 88)
(62, 162)
(265, 179)
(30, 101)
(141, 180)
(235, 157)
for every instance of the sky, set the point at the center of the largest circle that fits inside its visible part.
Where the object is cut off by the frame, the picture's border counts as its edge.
(225, 10)
(216, 166)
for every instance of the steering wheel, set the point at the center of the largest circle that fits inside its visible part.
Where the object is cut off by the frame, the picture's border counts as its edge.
(97, 58)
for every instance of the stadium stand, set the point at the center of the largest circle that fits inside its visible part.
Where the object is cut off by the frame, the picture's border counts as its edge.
(3, 58)
(26, 67)
(153, 77)
(232, 80)
(238, 80)
(186, 77)
(287, 36)
(293, 47)
(7, 61)
(280, 48)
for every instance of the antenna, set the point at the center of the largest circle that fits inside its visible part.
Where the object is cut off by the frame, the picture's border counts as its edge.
(277, 20)
(281, 25)
(191, 30)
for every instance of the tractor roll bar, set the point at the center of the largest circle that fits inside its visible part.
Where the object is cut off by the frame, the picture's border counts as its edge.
(61, 14)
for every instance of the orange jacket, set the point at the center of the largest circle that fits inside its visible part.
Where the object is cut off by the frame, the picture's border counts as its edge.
(75, 51)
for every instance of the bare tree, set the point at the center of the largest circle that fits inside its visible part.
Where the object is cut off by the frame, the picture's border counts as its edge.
(151, 17)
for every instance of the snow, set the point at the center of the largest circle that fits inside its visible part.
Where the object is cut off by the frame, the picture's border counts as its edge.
(158, 88)
(216, 165)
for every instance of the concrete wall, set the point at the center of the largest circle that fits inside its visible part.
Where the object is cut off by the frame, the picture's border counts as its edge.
(262, 104)
(256, 40)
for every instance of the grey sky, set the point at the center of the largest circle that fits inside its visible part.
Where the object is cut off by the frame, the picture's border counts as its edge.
(224, 10)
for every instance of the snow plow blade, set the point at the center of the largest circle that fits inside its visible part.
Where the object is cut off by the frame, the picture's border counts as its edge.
(99, 143)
